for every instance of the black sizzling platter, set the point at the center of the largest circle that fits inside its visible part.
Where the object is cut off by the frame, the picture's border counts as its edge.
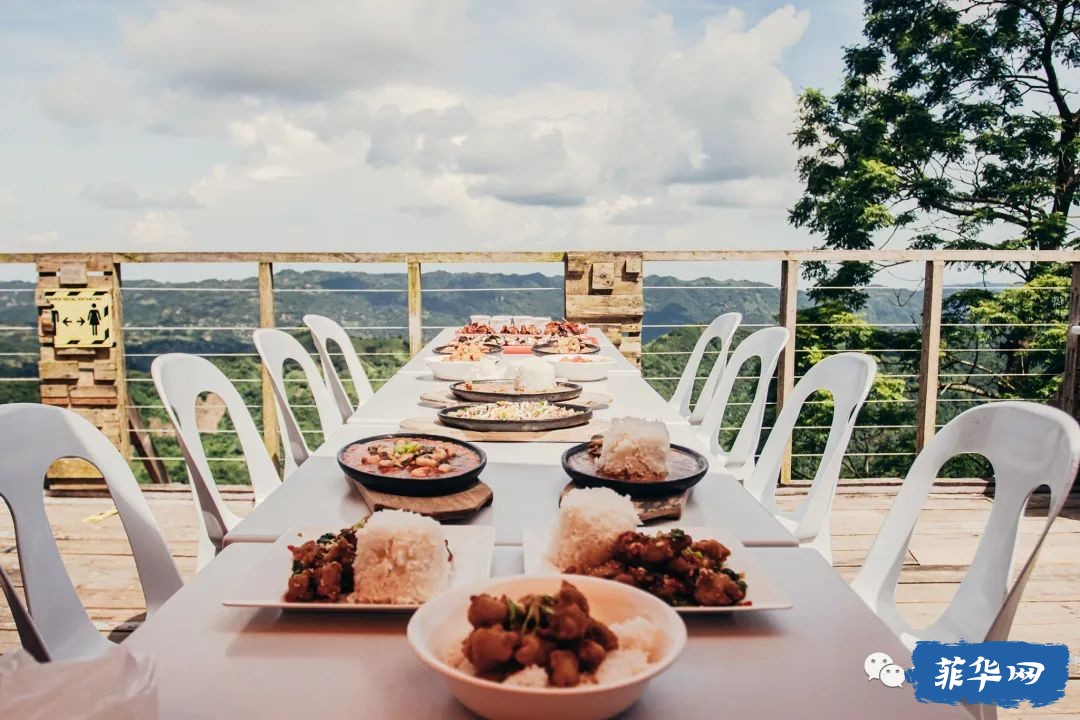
(427, 487)
(686, 467)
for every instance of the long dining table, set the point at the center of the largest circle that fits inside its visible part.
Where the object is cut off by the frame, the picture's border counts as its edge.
(806, 661)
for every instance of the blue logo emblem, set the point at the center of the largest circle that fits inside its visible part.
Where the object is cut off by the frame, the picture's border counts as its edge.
(990, 673)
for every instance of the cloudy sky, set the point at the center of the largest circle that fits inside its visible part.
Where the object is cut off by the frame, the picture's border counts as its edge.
(407, 125)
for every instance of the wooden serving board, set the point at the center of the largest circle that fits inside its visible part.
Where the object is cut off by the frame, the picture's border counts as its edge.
(582, 433)
(458, 506)
(592, 400)
(649, 509)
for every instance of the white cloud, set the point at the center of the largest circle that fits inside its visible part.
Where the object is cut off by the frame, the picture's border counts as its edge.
(121, 196)
(305, 50)
(559, 125)
(753, 192)
(84, 93)
(158, 230)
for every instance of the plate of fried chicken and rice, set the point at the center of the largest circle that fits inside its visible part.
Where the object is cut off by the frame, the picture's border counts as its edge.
(696, 570)
(392, 561)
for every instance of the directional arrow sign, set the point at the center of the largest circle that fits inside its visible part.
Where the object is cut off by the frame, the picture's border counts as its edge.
(84, 317)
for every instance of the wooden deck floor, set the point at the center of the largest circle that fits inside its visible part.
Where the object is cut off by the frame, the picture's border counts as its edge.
(96, 553)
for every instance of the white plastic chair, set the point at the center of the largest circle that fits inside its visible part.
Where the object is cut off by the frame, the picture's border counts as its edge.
(277, 347)
(32, 437)
(723, 329)
(180, 380)
(848, 377)
(1028, 445)
(766, 345)
(323, 331)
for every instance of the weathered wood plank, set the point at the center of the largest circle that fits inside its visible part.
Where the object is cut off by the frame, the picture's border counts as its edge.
(789, 295)
(930, 354)
(1069, 393)
(266, 320)
(416, 310)
(1001, 256)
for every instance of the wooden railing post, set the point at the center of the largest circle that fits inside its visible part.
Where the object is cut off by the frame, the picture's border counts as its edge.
(606, 290)
(789, 296)
(81, 346)
(416, 315)
(930, 356)
(266, 320)
(1069, 393)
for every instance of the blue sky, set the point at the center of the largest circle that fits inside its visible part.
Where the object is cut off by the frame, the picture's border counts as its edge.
(419, 124)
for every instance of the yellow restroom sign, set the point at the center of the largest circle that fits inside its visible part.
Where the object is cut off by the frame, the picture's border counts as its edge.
(81, 318)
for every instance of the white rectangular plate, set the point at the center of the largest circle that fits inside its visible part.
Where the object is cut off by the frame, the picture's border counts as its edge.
(762, 590)
(264, 585)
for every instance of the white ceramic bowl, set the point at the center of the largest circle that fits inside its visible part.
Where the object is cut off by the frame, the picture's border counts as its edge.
(443, 368)
(441, 624)
(595, 369)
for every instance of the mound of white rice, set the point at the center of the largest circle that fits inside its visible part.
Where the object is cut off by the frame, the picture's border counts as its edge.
(532, 676)
(400, 558)
(534, 375)
(635, 450)
(590, 520)
(486, 369)
(621, 665)
(637, 633)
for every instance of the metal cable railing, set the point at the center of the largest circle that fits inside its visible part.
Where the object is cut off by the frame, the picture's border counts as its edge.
(899, 375)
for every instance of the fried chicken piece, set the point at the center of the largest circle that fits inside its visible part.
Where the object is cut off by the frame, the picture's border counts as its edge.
(485, 610)
(711, 549)
(533, 650)
(622, 544)
(563, 668)
(669, 588)
(569, 593)
(300, 587)
(567, 622)
(340, 551)
(602, 634)
(306, 554)
(657, 551)
(606, 570)
(717, 589)
(487, 648)
(328, 581)
(682, 566)
(591, 654)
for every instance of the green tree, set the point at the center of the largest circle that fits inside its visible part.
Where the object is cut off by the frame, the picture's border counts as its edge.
(952, 116)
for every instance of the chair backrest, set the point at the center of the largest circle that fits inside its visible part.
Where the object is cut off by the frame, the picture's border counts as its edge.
(766, 345)
(32, 437)
(723, 329)
(323, 331)
(1028, 446)
(180, 380)
(848, 377)
(277, 347)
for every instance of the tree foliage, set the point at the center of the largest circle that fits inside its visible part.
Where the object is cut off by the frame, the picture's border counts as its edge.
(952, 116)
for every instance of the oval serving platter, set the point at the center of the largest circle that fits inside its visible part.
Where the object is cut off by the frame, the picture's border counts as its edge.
(686, 467)
(485, 348)
(583, 417)
(417, 487)
(564, 391)
(550, 349)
